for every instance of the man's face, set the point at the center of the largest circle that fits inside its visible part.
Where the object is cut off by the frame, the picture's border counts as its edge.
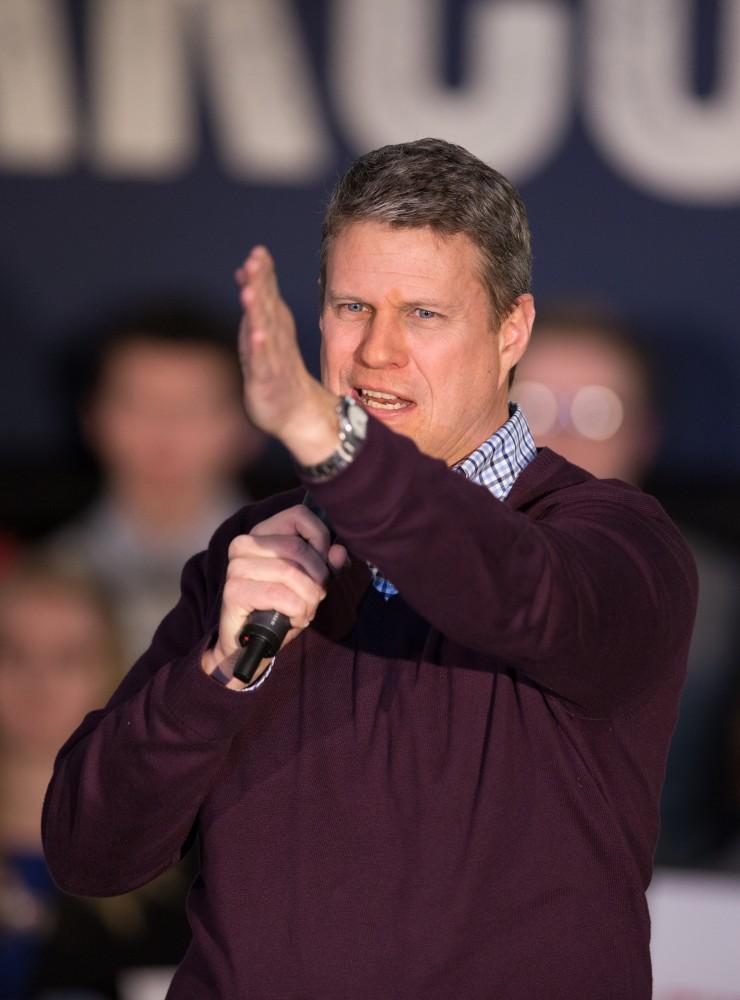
(51, 677)
(588, 400)
(167, 418)
(407, 329)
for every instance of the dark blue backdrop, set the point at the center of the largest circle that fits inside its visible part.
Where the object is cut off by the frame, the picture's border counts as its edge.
(82, 229)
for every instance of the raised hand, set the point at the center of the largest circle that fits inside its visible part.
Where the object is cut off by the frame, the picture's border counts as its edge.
(280, 395)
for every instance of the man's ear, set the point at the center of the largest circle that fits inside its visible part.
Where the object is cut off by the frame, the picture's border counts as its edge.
(514, 334)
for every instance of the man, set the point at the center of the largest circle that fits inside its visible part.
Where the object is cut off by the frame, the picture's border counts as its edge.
(587, 387)
(446, 785)
(162, 414)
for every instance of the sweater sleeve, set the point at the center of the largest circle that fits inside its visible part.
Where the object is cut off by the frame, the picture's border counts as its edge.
(128, 784)
(591, 592)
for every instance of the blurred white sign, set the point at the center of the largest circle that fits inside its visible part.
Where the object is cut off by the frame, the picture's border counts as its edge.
(696, 936)
(145, 984)
(529, 64)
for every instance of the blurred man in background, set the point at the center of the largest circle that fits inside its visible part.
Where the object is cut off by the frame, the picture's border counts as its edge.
(589, 391)
(49, 676)
(162, 413)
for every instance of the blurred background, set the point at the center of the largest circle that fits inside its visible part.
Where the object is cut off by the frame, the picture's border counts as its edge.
(145, 146)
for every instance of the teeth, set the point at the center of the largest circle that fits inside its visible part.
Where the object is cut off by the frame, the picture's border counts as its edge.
(376, 404)
(378, 395)
(382, 400)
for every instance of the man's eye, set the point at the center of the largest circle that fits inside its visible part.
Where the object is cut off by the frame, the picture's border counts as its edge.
(425, 313)
(353, 307)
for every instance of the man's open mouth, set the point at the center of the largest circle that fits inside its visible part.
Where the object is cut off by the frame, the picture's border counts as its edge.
(376, 400)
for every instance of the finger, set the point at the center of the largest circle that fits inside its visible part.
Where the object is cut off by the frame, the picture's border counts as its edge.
(257, 278)
(338, 558)
(241, 273)
(260, 269)
(292, 521)
(245, 596)
(281, 571)
(293, 548)
(260, 295)
(257, 359)
(269, 315)
(266, 337)
(288, 548)
(298, 520)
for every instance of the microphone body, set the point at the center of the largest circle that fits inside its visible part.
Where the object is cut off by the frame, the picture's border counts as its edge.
(263, 632)
(260, 638)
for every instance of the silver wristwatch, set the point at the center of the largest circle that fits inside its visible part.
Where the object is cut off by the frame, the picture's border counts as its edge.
(352, 421)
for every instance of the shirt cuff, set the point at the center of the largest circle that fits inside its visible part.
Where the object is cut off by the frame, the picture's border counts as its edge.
(218, 675)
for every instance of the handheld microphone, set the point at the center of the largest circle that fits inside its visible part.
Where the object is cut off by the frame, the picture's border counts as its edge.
(263, 632)
(261, 636)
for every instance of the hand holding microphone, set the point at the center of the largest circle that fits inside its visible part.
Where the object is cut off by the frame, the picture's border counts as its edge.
(276, 575)
(281, 566)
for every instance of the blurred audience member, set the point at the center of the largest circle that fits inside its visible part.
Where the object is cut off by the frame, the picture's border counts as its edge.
(586, 388)
(56, 664)
(59, 659)
(588, 391)
(162, 413)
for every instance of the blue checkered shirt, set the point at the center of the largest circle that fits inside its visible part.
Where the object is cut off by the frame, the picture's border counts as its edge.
(494, 464)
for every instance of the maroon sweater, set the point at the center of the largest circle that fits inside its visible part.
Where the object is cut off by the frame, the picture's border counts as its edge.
(451, 794)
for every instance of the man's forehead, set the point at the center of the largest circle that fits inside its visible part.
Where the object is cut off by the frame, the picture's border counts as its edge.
(411, 252)
(389, 232)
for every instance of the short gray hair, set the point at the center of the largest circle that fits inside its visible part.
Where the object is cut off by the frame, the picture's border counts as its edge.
(437, 184)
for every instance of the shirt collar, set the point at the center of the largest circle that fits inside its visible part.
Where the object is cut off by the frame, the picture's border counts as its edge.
(497, 462)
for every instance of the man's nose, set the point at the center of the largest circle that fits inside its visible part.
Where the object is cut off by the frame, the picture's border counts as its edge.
(383, 343)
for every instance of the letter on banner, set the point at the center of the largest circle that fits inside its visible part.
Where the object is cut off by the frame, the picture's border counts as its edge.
(640, 108)
(37, 105)
(150, 55)
(385, 64)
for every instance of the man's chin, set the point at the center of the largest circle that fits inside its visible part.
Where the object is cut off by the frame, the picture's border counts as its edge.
(402, 424)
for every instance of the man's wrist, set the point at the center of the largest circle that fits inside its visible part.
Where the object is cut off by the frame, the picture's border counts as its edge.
(311, 435)
(234, 684)
(213, 664)
(351, 422)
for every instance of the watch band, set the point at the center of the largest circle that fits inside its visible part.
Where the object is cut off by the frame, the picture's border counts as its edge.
(352, 425)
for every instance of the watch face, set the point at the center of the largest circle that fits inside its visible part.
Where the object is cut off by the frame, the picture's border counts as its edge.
(357, 418)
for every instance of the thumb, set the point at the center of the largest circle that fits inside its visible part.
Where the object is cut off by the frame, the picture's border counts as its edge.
(338, 558)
